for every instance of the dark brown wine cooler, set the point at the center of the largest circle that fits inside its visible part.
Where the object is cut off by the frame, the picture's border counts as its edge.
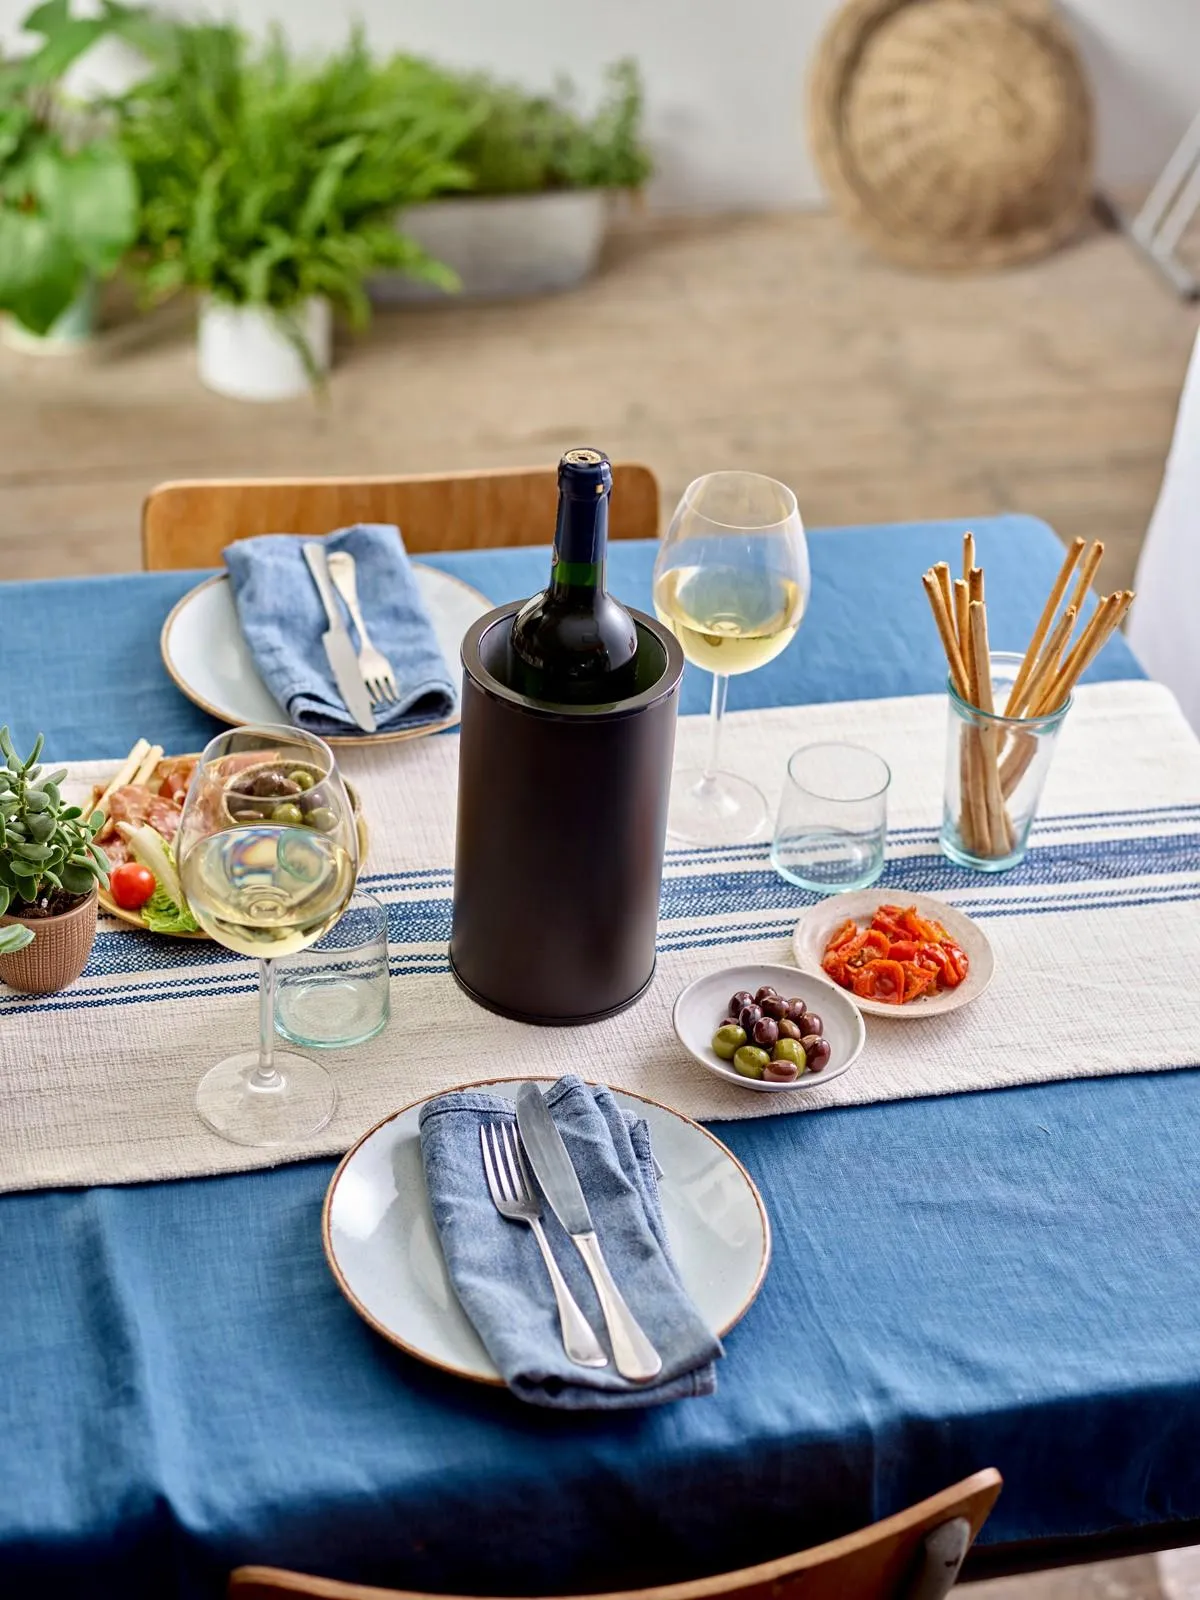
(562, 815)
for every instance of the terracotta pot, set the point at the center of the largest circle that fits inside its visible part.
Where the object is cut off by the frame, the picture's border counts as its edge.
(59, 952)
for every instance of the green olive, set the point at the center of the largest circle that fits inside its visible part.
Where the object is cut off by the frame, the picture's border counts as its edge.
(728, 1040)
(322, 819)
(791, 1050)
(302, 779)
(290, 815)
(750, 1061)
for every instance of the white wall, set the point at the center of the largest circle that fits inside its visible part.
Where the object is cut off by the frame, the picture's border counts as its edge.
(725, 78)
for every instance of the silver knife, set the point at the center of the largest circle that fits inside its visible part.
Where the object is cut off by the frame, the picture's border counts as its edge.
(634, 1355)
(338, 648)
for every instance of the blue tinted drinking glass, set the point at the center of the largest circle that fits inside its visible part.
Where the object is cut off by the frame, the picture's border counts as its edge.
(832, 821)
(337, 993)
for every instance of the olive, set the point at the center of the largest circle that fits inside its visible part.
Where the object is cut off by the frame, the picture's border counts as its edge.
(727, 1040)
(776, 1006)
(322, 819)
(289, 814)
(780, 1072)
(763, 993)
(789, 1030)
(748, 1016)
(796, 1009)
(766, 1032)
(301, 778)
(751, 1062)
(789, 1050)
(818, 1052)
(813, 1024)
(268, 785)
(742, 998)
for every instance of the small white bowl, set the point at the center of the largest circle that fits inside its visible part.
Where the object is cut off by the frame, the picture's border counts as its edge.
(813, 931)
(703, 1006)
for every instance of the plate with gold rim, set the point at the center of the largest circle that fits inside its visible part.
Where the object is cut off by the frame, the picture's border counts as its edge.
(383, 1250)
(203, 650)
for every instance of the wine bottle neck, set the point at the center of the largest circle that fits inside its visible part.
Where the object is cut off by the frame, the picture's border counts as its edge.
(580, 545)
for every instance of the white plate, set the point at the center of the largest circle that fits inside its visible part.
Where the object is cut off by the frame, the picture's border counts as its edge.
(204, 651)
(382, 1246)
(812, 933)
(701, 1008)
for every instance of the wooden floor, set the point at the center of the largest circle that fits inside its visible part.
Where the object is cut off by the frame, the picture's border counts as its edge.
(774, 343)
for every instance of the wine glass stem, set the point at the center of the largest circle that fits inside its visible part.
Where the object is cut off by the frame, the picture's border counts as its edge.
(719, 690)
(265, 1074)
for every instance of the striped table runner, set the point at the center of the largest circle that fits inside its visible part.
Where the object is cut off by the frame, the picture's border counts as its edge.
(1097, 942)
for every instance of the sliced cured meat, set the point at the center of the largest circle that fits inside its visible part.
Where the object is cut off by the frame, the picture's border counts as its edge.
(171, 777)
(136, 805)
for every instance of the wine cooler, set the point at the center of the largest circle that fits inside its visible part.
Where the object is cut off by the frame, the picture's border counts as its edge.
(562, 813)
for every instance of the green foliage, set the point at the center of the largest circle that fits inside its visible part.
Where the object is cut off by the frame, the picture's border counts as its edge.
(523, 143)
(68, 203)
(46, 848)
(267, 179)
(14, 938)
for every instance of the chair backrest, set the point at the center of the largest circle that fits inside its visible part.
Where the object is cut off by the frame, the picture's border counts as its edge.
(1162, 623)
(188, 524)
(914, 1555)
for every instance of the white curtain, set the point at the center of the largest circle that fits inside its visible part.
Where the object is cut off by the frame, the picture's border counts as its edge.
(1164, 625)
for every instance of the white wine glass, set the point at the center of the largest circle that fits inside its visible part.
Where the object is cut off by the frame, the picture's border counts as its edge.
(731, 582)
(268, 855)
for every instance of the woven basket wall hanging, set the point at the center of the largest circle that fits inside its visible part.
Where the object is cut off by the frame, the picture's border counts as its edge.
(953, 134)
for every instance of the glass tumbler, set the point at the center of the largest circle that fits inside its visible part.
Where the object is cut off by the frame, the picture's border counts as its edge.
(995, 771)
(832, 821)
(337, 993)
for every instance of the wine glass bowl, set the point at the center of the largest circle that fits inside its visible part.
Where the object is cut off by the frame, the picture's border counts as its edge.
(268, 855)
(731, 581)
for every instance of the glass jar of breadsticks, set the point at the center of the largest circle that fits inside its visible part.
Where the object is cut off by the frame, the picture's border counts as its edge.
(1006, 709)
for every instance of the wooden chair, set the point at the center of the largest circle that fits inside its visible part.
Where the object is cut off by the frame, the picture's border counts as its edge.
(188, 524)
(915, 1555)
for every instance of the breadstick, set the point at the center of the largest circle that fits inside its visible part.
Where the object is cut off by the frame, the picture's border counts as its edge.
(144, 772)
(962, 617)
(942, 573)
(1086, 573)
(1048, 664)
(1016, 694)
(981, 689)
(958, 670)
(968, 553)
(1089, 641)
(124, 773)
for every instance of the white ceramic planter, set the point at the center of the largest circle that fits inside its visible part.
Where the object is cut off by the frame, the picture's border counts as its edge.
(504, 245)
(245, 352)
(69, 333)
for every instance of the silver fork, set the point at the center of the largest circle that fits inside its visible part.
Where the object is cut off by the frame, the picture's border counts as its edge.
(514, 1198)
(375, 667)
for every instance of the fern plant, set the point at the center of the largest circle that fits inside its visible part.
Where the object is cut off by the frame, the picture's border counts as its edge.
(266, 180)
(524, 143)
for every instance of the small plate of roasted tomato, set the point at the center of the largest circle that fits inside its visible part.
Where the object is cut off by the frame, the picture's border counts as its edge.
(910, 956)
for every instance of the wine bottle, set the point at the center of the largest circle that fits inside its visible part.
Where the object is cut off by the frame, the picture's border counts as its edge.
(574, 644)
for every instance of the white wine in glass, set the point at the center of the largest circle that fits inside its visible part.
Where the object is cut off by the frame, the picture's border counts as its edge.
(731, 582)
(268, 855)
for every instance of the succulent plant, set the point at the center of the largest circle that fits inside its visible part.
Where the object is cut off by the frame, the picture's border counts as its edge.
(14, 938)
(49, 858)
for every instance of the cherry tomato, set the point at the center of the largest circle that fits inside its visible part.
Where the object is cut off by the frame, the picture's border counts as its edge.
(131, 885)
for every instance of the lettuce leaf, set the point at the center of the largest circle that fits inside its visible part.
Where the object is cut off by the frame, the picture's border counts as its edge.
(162, 915)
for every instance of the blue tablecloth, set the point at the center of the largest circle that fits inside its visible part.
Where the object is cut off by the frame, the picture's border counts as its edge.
(1007, 1278)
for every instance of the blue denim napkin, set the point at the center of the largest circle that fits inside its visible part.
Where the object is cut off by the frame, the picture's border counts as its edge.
(501, 1280)
(282, 620)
